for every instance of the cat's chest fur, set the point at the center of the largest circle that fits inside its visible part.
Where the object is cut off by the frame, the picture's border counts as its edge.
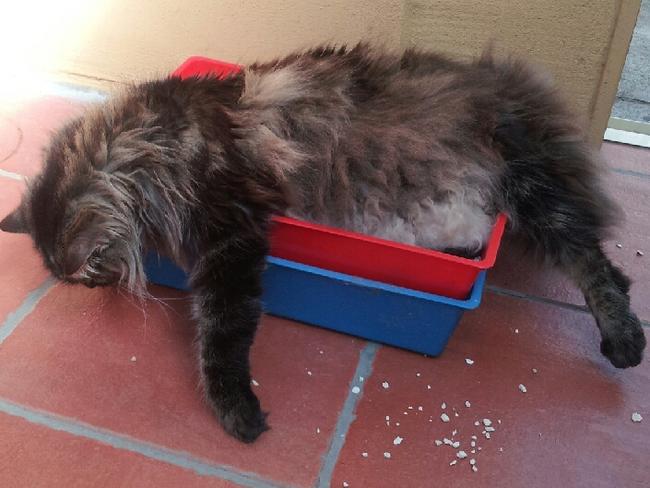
(390, 165)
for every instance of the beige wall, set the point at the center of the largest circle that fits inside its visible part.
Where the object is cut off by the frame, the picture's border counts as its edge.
(582, 43)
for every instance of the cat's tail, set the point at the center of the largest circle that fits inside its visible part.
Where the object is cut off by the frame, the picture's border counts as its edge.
(552, 188)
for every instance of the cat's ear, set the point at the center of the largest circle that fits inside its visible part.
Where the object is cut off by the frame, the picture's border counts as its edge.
(14, 223)
(78, 252)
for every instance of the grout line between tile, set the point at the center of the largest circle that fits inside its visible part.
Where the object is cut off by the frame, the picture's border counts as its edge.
(10, 175)
(547, 301)
(629, 172)
(347, 415)
(29, 304)
(120, 441)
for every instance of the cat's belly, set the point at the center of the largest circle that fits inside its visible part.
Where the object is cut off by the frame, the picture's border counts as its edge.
(449, 225)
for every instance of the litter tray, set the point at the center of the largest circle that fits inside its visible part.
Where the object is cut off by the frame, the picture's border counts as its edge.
(400, 317)
(361, 255)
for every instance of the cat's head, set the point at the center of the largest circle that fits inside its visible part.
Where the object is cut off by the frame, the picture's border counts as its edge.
(83, 211)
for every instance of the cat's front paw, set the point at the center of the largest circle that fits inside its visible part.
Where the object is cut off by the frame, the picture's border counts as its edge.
(624, 345)
(243, 418)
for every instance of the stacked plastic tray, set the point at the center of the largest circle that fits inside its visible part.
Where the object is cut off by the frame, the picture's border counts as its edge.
(372, 288)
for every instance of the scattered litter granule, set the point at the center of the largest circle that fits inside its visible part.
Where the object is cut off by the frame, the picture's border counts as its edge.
(447, 442)
(317, 430)
(420, 409)
(522, 389)
(501, 449)
(345, 484)
(397, 441)
(385, 385)
(620, 246)
(443, 405)
(453, 463)
(438, 442)
(454, 432)
(469, 361)
(405, 412)
(487, 422)
(474, 437)
(473, 451)
(477, 423)
(410, 407)
(636, 417)
(456, 445)
(133, 359)
(479, 448)
(487, 435)
(490, 429)
(461, 454)
(516, 331)
(397, 424)
(472, 462)
(473, 443)
(364, 454)
(499, 421)
(387, 455)
(428, 387)
(387, 418)
(444, 417)
(321, 351)
(255, 383)
(535, 371)
(475, 469)
(308, 373)
(418, 374)
(356, 390)
(361, 378)
(639, 253)
(456, 414)
(467, 404)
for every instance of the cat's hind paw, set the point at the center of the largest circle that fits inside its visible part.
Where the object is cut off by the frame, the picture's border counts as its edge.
(245, 420)
(624, 348)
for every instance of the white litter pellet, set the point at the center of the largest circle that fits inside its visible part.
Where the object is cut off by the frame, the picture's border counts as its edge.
(309, 373)
(477, 423)
(385, 385)
(456, 414)
(490, 429)
(474, 468)
(535, 371)
(501, 449)
(418, 374)
(444, 417)
(453, 463)
(637, 417)
(456, 445)
(428, 387)
(387, 455)
(255, 383)
(397, 441)
(499, 421)
(420, 408)
(487, 435)
(443, 405)
(461, 454)
(473, 443)
(472, 462)
(474, 437)
(522, 388)
(320, 351)
(447, 442)
(639, 252)
(345, 484)
(620, 246)
(356, 390)
(361, 379)
(469, 361)
(410, 407)
(516, 331)
(473, 451)
(133, 359)
(364, 454)
(479, 448)
(397, 424)
(467, 404)
(387, 418)
(317, 430)
(438, 442)
(487, 422)
(454, 432)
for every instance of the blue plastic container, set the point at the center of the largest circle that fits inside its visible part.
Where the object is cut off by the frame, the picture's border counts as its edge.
(376, 311)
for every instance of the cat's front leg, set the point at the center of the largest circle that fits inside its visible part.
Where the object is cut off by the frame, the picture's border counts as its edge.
(227, 290)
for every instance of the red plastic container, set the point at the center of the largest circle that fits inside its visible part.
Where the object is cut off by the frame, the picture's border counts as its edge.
(364, 256)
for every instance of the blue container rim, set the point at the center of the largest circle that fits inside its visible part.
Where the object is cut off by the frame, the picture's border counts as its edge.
(472, 302)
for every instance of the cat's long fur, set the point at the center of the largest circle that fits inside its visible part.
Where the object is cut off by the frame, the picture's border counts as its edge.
(413, 147)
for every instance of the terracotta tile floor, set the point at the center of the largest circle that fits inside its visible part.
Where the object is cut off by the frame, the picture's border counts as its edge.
(98, 391)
